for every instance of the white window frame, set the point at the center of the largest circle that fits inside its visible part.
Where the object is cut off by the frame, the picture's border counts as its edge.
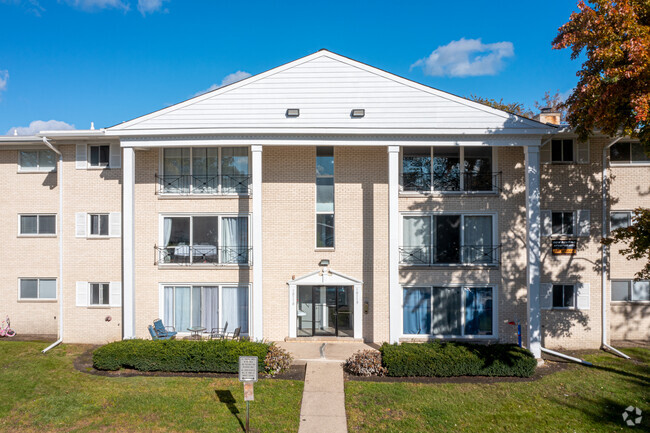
(100, 165)
(89, 225)
(574, 224)
(38, 298)
(495, 237)
(495, 313)
(630, 282)
(90, 294)
(161, 169)
(630, 163)
(574, 297)
(38, 225)
(185, 332)
(629, 213)
(432, 191)
(191, 215)
(38, 168)
(574, 151)
(317, 212)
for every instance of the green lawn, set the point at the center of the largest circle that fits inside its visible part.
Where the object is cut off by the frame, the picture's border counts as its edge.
(578, 399)
(45, 393)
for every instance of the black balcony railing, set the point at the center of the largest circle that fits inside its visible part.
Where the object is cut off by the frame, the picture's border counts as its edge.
(203, 184)
(451, 182)
(203, 255)
(465, 255)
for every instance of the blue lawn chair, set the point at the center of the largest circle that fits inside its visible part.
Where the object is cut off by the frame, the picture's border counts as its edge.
(163, 332)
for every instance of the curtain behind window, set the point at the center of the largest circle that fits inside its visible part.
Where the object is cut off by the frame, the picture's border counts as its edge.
(446, 316)
(417, 310)
(416, 240)
(234, 306)
(234, 240)
(182, 313)
(478, 239)
(478, 311)
(210, 308)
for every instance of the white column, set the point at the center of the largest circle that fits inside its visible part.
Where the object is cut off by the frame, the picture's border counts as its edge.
(293, 311)
(395, 293)
(257, 330)
(358, 311)
(533, 231)
(128, 244)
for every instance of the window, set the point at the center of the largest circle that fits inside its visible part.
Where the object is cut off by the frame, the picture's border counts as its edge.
(37, 224)
(100, 155)
(37, 160)
(37, 288)
(562, 223)
(204, 239)
(325, 197)
(628, 153)
(448, 239)
(209, 306)
(205, 170)
(630, 291)
(448, 169)
(99, 293)
(563, 296)
(620, 220)
(449, 311)
(98, 224)
(562, 150)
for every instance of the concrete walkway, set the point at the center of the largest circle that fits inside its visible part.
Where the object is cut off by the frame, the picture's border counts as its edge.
(323, 398)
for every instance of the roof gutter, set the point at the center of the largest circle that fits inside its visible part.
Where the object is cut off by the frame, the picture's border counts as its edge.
(60, 234)
(605, 251)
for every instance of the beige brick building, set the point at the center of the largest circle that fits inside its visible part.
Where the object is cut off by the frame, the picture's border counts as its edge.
(323, 198)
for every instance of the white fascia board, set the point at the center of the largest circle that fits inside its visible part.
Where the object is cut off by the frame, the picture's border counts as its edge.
(73, 133)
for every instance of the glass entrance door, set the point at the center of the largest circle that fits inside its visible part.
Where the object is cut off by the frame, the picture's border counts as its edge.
(325, 311)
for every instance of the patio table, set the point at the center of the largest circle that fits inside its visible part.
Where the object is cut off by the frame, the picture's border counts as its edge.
(196, 332)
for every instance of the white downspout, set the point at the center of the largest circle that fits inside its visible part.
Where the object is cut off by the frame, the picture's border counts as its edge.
(60, 234)
(570, 358)
(604, 259)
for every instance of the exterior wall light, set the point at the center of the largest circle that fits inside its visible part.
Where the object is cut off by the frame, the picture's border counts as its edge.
(358, 112)
(293, 112)
(324, 262)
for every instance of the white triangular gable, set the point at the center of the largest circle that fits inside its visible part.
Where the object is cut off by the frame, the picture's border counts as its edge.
(326, 87)
(329, 278)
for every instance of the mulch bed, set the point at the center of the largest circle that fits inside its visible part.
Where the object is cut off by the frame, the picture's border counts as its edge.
(46, 338)
(84, 364)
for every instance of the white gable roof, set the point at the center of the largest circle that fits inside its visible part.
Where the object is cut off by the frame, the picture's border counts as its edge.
(326, 87)
(329, 278)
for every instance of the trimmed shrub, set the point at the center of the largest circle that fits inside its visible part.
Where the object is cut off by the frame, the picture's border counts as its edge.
(444, 359)
(365, 363)
(216, 356)
(277, 360)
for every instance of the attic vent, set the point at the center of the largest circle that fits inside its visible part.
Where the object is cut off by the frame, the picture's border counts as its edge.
(358, 112)
(293, 112)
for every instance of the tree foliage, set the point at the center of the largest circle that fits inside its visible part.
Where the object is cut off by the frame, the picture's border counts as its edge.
(613, 92)
(514, 107)
(636, 237)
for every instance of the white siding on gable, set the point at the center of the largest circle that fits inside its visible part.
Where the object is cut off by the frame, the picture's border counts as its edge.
(326, 89)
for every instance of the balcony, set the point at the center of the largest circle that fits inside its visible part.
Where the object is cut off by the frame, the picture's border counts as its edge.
(224, 184)
(446, 256)
(451, 182)
(203, 255)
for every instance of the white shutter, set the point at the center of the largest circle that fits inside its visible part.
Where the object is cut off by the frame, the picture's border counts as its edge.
(545, 153)
(115, 293)
(546, 296)
(115, 160)
(80, 224)
(582, 152)
(547, 227)
(82, 156)
(82, 293)
(583, 226)
(582, 296)
(115, 224)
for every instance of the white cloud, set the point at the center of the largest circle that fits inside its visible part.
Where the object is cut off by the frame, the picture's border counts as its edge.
(4, 78)
(92, 5)
(150, 6)
(40, 125)
(466, 58)
(228, 79)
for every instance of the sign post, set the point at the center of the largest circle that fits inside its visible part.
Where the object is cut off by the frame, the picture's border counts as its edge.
(248, 375)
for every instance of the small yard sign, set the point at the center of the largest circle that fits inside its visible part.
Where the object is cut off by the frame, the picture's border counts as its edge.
(248, 368)
(564, 247)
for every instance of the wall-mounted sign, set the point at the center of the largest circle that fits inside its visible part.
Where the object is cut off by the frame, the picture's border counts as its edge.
(564, 247)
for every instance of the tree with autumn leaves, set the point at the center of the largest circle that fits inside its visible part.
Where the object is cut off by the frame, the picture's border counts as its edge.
(613, 91)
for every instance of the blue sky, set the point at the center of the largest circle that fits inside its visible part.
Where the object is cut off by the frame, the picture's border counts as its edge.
(106, 61)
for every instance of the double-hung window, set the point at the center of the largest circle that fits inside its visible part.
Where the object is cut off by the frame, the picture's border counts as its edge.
(98, 224)
(99, 293)
(207, 305)
(204, 239)
(324, 197)
(448, 169)
(564, 296)
(620, 220)
(37, 225)
(562, 151)
(36, 160)
(99, 155)
(37, 288)
(630, 291)
(205, 170)
(448, 239)
(457, 311)
(562, 223)
(626, 152)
